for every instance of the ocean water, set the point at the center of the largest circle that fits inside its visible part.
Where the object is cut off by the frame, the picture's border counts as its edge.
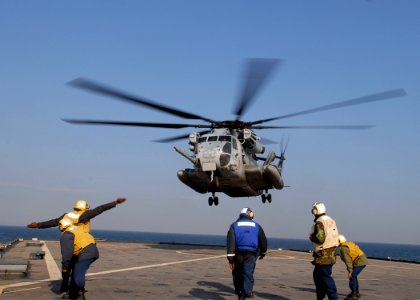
(402, 252)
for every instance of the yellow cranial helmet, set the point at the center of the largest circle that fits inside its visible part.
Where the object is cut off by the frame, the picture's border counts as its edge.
(65, 223)
(342, 239)
(81, 205)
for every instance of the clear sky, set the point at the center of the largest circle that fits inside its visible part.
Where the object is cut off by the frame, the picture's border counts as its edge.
(189, 54)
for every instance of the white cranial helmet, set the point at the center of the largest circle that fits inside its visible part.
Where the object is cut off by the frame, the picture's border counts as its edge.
(318, 208)
(341, 239)
(246, 211)
(64, 223)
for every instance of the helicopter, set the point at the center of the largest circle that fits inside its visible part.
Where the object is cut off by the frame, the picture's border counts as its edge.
(225, 154)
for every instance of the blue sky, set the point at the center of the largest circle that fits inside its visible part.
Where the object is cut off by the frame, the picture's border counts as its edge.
(189, 55)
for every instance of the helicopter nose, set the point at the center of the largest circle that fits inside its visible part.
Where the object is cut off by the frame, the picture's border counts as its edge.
(209, 160)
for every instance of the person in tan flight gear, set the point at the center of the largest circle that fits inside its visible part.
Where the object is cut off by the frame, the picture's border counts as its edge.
(324, 237)
(80, 216)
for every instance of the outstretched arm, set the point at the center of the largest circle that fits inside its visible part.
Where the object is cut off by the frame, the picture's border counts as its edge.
(46, 224)
(91, 213)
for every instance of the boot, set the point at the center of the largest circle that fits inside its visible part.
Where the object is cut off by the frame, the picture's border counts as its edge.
(351, 296)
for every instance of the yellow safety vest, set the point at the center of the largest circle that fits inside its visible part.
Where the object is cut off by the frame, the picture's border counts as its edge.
(82, 239)
(74, 217)
(354, 250)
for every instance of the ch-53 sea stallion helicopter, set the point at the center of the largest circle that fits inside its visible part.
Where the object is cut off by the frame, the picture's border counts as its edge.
(225, 155)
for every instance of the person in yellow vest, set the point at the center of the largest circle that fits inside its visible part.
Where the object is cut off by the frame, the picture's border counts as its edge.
(76, 242)
(81, 216)
(324, 237)
(355, 261)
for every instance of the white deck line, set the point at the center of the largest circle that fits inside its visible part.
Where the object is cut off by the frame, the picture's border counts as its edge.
(53, 270)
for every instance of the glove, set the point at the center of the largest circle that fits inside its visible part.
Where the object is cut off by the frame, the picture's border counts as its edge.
(120, 200)
(232, 265)
(32, 225)
(262, 256)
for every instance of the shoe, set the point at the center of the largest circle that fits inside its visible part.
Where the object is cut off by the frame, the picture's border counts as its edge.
(241, 297)
(65, 296)
(351, 296)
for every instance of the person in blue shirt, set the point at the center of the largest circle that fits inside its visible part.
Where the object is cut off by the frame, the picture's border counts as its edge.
(246, 241)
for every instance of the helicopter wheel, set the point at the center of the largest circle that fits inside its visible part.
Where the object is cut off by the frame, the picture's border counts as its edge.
(216, 201)
(263, 198)
(211, 201)
(269, 198)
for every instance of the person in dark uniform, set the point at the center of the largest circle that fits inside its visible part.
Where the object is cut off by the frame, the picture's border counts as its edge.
(324, 237)
(76, 242)
(246, 241)
(81, 216)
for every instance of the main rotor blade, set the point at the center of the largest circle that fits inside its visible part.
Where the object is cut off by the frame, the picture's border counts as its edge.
(178, 137)
(356, 101)
(136, 124)
(350, 127)
(108, 91)
(257, 73)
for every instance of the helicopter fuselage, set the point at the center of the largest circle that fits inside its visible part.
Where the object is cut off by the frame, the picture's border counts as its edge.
(224, 165)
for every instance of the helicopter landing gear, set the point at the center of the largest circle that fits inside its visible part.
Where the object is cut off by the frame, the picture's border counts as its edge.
(266, 197)
(213, 200)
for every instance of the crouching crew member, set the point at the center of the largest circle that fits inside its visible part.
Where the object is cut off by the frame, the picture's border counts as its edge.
(324, 237)
(245, 241)
(355, 261)
(75, 241)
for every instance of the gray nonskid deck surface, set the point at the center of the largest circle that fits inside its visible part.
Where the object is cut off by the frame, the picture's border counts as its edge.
(158, 271)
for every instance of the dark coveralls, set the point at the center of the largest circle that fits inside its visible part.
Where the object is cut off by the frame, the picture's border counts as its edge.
(84, 217)
(245, 241)
(84, 259)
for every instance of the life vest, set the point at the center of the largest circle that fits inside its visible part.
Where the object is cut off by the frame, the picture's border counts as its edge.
(246, 234)
(331, 233)
(74, 217)
(354, 250)
(82, 239)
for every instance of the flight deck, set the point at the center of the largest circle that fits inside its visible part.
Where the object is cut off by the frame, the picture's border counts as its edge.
(176, 271)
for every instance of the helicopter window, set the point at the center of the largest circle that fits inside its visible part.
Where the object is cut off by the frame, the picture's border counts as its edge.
(212, 138)
(224, 159)
(235, 146)
(202, 139)
(225, 138)
(227, 148)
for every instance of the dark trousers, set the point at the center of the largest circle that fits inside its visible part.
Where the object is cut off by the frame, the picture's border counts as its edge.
(324, 282)
(354, 283)
(86, 258)
(243, 274)
(67, 275)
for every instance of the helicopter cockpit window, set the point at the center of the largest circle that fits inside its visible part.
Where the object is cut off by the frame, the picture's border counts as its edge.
(227, 148)
(235, 146)
(225, 138)
(212, 138)
(202, 139)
